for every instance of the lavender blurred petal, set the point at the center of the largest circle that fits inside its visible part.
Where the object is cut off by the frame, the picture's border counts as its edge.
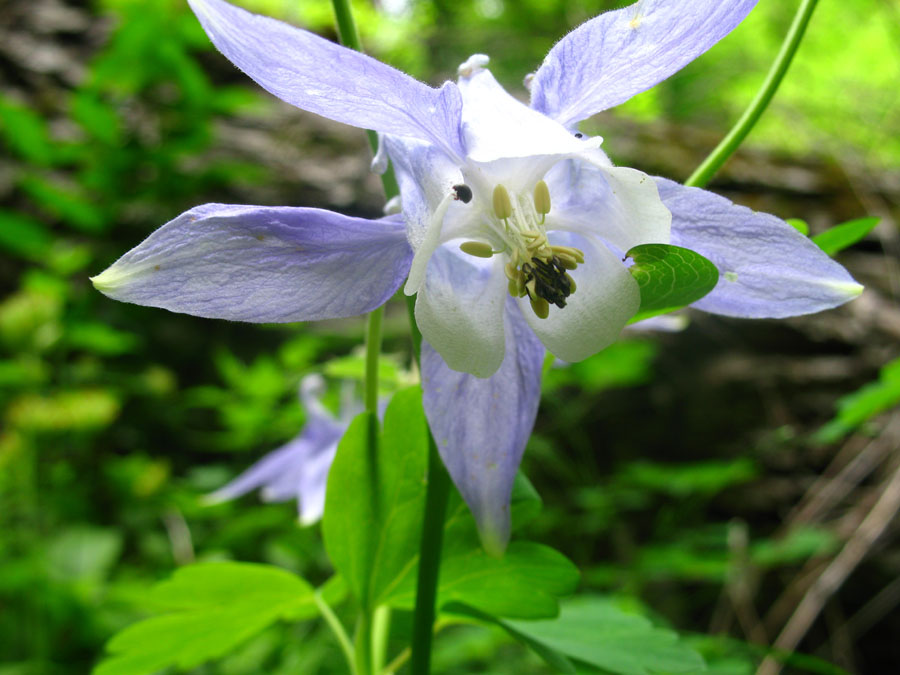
(310, 489)
(262, 472)
(263, 264)
(612, 57)
(481, 425)
(767, 269)
(330, 80)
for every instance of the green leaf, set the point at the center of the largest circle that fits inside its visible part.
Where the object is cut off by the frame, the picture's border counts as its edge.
(373, 520)
(846, 234)
(354, 368)
(211, 609)
(25, 132)
(24, 237)
(100, 338)
(69, 203)
(669, 277)
(552, 657)
(596, 631)
(524, 584)
(375, 499)
(862, 405)
(800, 225)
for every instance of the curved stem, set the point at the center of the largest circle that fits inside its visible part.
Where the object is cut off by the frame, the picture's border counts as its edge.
(338, 629)
(760, 102)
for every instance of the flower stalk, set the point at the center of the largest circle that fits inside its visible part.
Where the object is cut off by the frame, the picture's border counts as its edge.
(760, 102)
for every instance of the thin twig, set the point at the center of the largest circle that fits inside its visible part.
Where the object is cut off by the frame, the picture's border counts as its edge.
(834, 575)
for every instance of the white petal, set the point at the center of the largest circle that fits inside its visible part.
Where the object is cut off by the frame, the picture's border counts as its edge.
(499, 132)
(605, 298)
(619, 204)
(460, 310)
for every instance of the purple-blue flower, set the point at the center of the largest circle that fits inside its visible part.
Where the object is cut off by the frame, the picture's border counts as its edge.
(512, 227)
(299, 469)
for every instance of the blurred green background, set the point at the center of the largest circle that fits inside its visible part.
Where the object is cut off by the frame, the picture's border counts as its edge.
(680, 470)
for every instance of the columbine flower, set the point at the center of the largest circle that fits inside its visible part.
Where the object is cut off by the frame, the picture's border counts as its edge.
(512, 231)
(299, 469)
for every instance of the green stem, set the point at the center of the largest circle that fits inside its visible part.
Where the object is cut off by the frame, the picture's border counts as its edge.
(373, 351)
(438, 482)
(381, 631)
(414, 330)
(436, 495)
(363, 642)
(364, 659)
(760, 102)
(338, 629)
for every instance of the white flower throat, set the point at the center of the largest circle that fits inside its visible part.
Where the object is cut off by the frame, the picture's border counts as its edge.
(515, 228)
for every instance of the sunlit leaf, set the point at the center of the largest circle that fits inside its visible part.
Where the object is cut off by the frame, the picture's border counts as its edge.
(800, 225)
(669, 277)
(83, 410)
(211, 608)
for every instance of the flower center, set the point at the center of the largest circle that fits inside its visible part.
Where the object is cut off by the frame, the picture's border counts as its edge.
(535, 268)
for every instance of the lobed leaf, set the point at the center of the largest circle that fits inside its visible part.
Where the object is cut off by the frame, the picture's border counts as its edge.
(211, 608)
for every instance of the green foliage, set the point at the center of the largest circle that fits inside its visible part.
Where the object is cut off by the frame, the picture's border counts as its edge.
(373, 520)
(839, 237)
(374, 502)
(598, 632)
(211, 609)
(669, 277)
(857, 408)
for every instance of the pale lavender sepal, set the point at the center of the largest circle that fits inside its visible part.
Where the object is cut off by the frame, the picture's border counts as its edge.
(612, 57)
(330, 80)
(767, 269)
(299, 469)
(263, 264)
(481, 425)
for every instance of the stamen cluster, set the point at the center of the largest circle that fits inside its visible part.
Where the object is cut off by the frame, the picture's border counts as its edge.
(535, 268)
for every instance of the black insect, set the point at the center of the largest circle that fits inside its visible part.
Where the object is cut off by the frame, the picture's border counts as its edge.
(550, 280)
(579, 135)
(463, 193)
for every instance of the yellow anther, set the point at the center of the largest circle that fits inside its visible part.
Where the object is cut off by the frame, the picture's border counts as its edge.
(502, 203)
(572, 286)
(477, 248)
(570, 252)
(541, 307)
(542, 198)
(567, 261)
